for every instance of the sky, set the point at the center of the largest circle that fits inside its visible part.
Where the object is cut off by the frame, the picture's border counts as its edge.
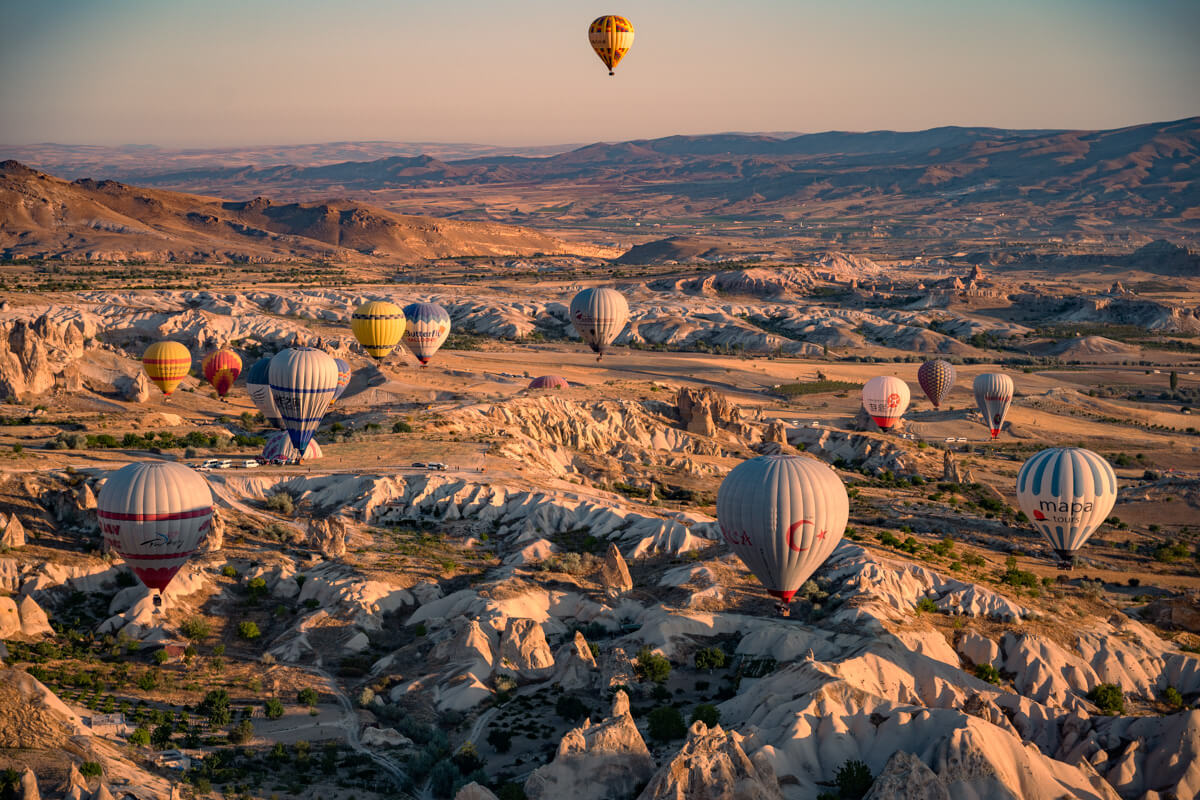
(214, 73)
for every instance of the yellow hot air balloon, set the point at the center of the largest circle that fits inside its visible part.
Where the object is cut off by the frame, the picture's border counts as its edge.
(611, 37)
(166, 364)
(378, 326)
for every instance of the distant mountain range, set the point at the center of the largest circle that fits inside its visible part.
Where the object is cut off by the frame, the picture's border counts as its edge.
(985, 181)
(45, 217)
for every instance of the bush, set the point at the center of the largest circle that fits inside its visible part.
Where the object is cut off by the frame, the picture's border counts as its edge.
(282, 503)
(273, 709)
(710, 658)
(1013, 576)
(707, 713)
(91, 769)
(442, 778)
(1171, 551)
(196, 628)
(853, 780)
(248, 630)
(215, 707)
(402, 427)
(140, 736)
(570, 708)
(467, 759)
(228, 571)
(161, 737)
(148, 681)
(308, 697)
(161, 656)
(986, 672)
(1172, 697)
(666, 724)
(242, 732)
(1109, 698)
(500, 740)
(927, 604)
(652, 667)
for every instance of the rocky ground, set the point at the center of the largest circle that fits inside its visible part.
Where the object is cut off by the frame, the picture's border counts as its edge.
(554, 614)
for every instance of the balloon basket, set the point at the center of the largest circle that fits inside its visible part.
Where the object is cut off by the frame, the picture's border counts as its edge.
(157, 601)
(784, 609)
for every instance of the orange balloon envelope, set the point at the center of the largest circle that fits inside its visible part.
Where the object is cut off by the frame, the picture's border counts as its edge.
(221, 369)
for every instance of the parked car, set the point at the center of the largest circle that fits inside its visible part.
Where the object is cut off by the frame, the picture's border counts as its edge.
(250, 463)
(419, 465)
(210, 463)
(223, 464)
(437, 465)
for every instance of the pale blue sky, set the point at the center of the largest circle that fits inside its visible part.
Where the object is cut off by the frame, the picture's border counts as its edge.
(224, 72)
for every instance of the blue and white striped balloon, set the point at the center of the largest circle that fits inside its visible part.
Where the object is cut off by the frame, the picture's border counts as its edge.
(427, 327)
(302, 385)
(258, 386)
(1067, 492)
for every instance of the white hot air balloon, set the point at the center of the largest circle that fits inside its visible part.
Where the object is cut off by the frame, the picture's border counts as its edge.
(599, 315)
(155, 514)
(782, 516)
(994, 394)
(1067, 493)
(303, 382)
(886, 398)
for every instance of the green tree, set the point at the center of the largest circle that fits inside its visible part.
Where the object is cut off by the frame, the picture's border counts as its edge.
(140, 736)
(161, 737)
(570, 708)
(1174, 380)
(1109, 698)
(248, 630)
(91, 769)
(161, 656)
(308, 697)
(242, 732)
(710, 658)
(652, 667)
(986, 672)
(1173, 698)
(707, 713)
(853, 780)
(273, 708)
(500, 740)
(666, 724)
(215, 707)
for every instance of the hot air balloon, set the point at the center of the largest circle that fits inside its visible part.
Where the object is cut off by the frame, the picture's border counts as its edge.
(344, 371)
(221, 368)
(279, 446)
(302, 384)
(258, 386)
(1067, 492)
(166, 364)
(599, 315)
(885, 398)
(155, 514)
(378, 326)
(426, 327)
(611, 37)
(993, 395)
(936, 379)
(547, 382)
(782, 516)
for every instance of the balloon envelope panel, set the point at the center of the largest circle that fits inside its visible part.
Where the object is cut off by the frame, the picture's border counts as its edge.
(426, 327)
(378, 326)
(279, 445)
(258, 386)
(936, 379)
(548, 382)
(782, 516)
(599, 316)
(302, 384)
(166, 364)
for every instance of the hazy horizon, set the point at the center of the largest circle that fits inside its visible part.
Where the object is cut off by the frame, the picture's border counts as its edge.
(222, 74)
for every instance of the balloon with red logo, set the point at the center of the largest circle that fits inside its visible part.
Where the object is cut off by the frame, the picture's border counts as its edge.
(886, 399)
(155, 514)
(782, 516)
(1067, 493)
(994, 394)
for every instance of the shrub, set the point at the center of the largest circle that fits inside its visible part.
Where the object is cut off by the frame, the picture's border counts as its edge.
(91, 769)
(273, 708)
(652, 667)
(500, 740)
(228, 571)
(161, 656)
(256, 588)
(1172, 697)
(570, 708)
(161, 737)
(707, 713)
(1109, 698)
(467, 759)
(308, 697)
(401, 426)
(140, 736)
(666, 724)
(196, 627)
(248, 630)
(1171, 551)
(1013, 576)
(442, 778)
(927, 604)
(242, 732)
(710, 658)
(148, 681)
(215, 707)
(282, 503)
(988, 673)
(853, 780)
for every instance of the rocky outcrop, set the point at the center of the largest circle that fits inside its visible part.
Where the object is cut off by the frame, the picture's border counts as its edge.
(75, 787)
(327, 535)
(12, 532)
(704, 411)
(1180, 613)
(950, 473)
(386, 737)
(906, 777)
(34, 622)
(29, 786)
(775, 432)
(33, 354)
(137, 390)
(713, 766)
(595, 762)
(614, 575)
(574, 665)
(523, 649)
(102, 792)
(473, 791)
(215, 538)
